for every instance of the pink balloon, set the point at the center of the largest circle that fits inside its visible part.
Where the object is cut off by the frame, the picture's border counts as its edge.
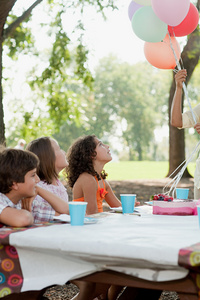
(161, 55)
(133, 6)
(171, 12)
(188, 25)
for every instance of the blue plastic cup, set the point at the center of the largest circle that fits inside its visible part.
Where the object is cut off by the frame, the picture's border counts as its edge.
(198, 212)
(77, 213)
(128, 203)
(182, 193)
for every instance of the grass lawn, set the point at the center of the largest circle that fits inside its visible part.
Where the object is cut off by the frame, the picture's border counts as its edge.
(130, 170)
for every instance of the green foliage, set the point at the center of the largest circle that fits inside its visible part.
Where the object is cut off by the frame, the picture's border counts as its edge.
(128, 94)
(66, 65)
(28, 125)
(21, 40)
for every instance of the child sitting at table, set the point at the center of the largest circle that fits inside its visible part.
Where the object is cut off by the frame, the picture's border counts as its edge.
(18, 188)
(86, 158)
(52, 162)
(18, 180)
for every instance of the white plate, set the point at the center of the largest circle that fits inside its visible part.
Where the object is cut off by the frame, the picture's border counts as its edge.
(66, 218)
(89, 220)
(117, 209)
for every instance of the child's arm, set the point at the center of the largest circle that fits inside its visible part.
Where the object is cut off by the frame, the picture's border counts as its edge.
(58, 204)
(110, 198)
(16, 217)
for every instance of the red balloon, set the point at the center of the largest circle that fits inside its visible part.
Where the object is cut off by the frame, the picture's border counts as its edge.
(188, 25)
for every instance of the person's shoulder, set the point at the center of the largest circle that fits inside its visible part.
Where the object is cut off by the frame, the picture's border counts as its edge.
(6, 202)
(42, 184)
(86, 178)
(4, 198)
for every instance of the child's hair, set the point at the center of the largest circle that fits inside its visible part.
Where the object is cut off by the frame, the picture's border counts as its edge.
(43, 149)
(80, 159)
(14, 164)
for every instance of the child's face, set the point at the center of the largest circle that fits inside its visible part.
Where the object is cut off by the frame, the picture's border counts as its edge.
(103, 151)
(61, 161)
(28, 187)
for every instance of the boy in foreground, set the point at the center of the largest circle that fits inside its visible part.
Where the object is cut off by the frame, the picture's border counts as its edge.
(18, 188)
(18, 180)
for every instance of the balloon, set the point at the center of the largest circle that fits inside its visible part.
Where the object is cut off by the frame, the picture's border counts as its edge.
(147, 26)
(133, 6)
(172, 12)
(160, 55)
(143, 2)
(188, 25)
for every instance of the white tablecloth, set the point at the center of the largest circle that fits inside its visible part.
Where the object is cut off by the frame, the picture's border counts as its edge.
(145, 246)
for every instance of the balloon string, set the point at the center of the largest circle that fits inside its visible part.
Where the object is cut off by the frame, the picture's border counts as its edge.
(185, 163)
(184, 86)
(179, 175)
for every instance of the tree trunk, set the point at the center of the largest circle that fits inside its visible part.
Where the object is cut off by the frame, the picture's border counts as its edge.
(5, 8)
(190, 58)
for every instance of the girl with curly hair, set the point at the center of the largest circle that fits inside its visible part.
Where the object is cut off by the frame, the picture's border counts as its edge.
(86, 176)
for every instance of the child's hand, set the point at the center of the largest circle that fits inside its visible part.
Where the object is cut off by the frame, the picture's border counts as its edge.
(137, 203)
(27, 203)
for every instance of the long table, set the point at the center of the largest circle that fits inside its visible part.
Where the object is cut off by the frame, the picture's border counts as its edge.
(143, 251)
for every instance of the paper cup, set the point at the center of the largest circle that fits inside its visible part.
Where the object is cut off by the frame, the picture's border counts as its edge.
(182, 193)
(77, 213)
(198, 212)
(128, 203)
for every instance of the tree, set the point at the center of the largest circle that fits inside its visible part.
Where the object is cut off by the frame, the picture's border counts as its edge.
(14, 34)
(190, 57)
(128, 95)
(126, 105)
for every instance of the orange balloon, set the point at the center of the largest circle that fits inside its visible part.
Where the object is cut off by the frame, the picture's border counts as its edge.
(161, 55)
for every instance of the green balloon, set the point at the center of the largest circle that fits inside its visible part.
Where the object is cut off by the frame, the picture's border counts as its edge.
(147, 26)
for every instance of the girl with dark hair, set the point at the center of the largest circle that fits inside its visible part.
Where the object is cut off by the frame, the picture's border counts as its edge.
(86, 176)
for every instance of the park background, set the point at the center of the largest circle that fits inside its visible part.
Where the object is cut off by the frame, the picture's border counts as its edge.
(66, 71)
(79, 73)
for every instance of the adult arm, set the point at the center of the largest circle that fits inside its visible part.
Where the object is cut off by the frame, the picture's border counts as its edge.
(16, 217)
(58, 204)
(176, 109)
